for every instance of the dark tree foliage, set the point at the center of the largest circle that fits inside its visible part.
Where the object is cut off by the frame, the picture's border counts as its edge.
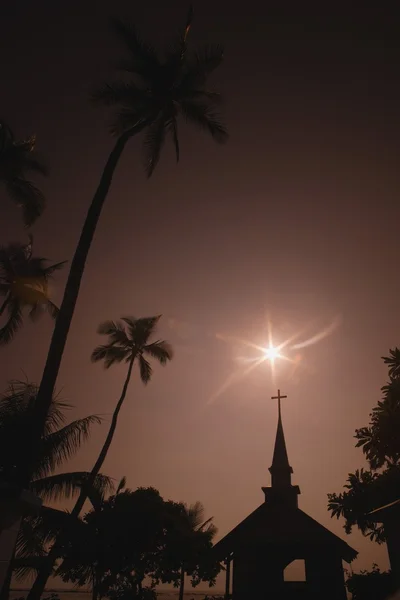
(60, 441)
(371, 585)
(189, 542)
(128, 541)
(18, 160)
(367, 490)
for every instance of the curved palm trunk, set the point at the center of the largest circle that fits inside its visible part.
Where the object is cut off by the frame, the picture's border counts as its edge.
(71, 292)
(182, 582)
(45, 572)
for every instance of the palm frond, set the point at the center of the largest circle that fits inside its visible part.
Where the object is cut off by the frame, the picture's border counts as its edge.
(52, 309)
(141, 329)
(394, 362)
(35, 535)
(173, 127)
(115, 330)
(143, 60)
(32, 163)
(68, 485)
(110, 354)
(205, 96)
(145, 369)
(195, 513)
(200, 114)
(102, 486)
(153, 143)
(28, 197)
(14, 322)
(4, 291)
(36, 532)
(202, 64)
(28, 567)
(56, 487)
(47, 271)
(30, 538)
(132, 118)
(121, 485)
(62, 444)
(17, 404)
(36, 312)
(160, 350)
(209, 528)
(120, 93)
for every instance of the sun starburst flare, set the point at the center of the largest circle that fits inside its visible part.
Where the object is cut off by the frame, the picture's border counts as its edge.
(270, 353)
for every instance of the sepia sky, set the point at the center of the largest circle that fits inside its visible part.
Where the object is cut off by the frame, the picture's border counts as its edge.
(294, 222)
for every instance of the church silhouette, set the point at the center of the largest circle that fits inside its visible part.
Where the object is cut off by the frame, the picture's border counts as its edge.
(278, 532)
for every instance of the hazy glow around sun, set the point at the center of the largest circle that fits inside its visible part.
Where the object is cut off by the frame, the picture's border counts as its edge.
(271, 355)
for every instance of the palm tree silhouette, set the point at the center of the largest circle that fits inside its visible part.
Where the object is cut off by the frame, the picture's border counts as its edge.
(17, 159)
(153, 92)
(129, 342)
(24, 282)
(197, 532)
(59, 443)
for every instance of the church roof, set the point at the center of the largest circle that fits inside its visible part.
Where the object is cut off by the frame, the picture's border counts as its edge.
(278, 522)
(278, 527)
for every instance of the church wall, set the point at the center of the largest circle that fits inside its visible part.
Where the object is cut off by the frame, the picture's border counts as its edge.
(325, 576)
(260, 574)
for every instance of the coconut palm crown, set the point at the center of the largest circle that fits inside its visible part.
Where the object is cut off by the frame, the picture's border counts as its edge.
(155, 88)
(24, 280)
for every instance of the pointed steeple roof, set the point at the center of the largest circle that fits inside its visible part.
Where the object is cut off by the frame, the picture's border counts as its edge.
(281, 489)
(280, 457)
(280, 469)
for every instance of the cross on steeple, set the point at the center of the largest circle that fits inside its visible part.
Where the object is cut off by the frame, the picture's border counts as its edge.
(279, 398)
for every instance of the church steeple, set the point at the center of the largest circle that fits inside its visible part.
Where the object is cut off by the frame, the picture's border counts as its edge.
(281, 490)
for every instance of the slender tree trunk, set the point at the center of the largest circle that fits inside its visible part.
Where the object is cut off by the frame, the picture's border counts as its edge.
(71, 293)
(54, 553)
(182, 582)
(94, 584)
(4, 305)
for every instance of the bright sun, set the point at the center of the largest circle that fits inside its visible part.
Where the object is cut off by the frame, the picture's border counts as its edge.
(271, 353)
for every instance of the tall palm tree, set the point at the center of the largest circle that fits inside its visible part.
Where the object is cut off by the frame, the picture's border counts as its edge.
(129, 342)
(17, 160)
(153, 91)
(24, 280)
(59, 442)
